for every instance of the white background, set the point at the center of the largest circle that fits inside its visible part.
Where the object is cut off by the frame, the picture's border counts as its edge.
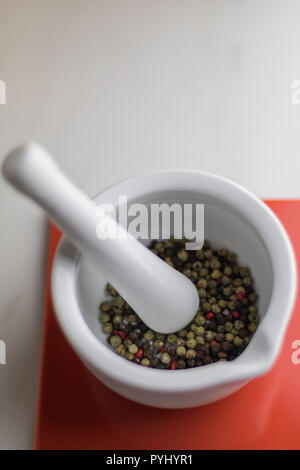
(117, 87)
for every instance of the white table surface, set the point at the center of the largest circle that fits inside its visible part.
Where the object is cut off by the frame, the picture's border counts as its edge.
(115, 88)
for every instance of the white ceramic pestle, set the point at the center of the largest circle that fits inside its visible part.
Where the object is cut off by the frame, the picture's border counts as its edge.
(164, 298)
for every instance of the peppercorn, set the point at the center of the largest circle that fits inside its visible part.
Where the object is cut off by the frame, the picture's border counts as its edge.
(180, 364)
(132, 318)
(237, 341)
(227, 346)
(145, 362)
(107, 328)
(149, 335)
(129, 356)
(199, 330)
(105, 306)
(238, 324)
(182, 255)
(190, 335)
(252, 327)
(221, 328)
(104, 317)
(115, 340)
(182, 333)
(229, 337)
(132, 348)
(165, 358)
(210, 316)
(121, 350)
(139, 354)
(202, 283)
(191, 343)
(202, 293)
(180, 350)
(111, 290)
(199, 340)
(199, 320)
(215, 347)
(117, 319)
(190, 354)
(172, 339)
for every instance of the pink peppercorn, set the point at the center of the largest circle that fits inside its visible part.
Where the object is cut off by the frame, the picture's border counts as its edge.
(235, 314)
(241, 295)
(139, 354)
(210, 316)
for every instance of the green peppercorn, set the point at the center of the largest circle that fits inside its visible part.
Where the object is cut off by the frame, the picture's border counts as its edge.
(200, 320)
(132, 348)
(227, 271)
(215, 308)
(229, 337)
(208, 253)
(216, 274)
(252, 327)
(117, 319)
(225, 280)
(252, 309)
(119, 302)
(111, 290)
(237, 341)
(145, 362)
(160, 336)
(105, 306)
(190, 354)
(171, 338)
(247, 281)
(202, 293)
(206, 307)
(222, 304)
(238, 324)
(104, 317)
(199, 330)
(200, 339)
(149, 335)
(197, 266)
(190, 335)
(158, 344)
(231, 305)
(182, 255)
(182, 333)
(244, 271)
(121, 350)
(107, 328)
(129, 356)
(180, 351)
(132, 318)
(228, 326)
(115, 341)
(209, 335)
(165, 358)
(202, 283)
(191, 343)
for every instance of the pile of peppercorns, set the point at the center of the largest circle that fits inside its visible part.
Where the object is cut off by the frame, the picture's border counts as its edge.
(221, 328)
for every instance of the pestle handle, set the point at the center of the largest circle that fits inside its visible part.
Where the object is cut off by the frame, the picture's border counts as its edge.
(164, 298)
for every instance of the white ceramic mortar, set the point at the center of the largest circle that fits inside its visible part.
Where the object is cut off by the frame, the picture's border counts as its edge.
(235, 219)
